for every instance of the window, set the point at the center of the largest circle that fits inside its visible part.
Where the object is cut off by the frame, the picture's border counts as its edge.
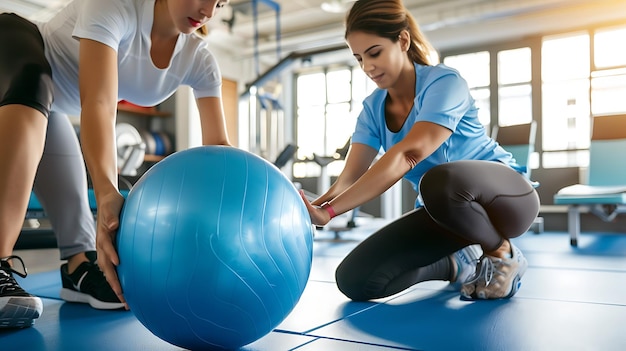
(328, 104)
(608, 80)
(565, 96)
(514, 89)
(608, 92)
(311, 120)
(474, 68)
(581, 78)
(609, 48)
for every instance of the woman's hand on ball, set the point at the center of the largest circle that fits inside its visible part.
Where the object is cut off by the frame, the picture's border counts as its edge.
(109, 208)
(319, 216)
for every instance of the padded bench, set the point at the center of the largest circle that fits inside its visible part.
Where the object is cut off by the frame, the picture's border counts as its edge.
(604, 195)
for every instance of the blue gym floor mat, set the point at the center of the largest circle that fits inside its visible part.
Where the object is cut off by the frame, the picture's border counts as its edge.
(44, 285)
(570, 299)
(69, 327)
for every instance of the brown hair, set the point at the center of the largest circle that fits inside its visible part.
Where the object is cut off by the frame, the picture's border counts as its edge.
(387, 19)
(203, 31)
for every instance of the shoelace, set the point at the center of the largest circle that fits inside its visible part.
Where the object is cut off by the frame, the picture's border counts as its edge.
(7, 282)
(4, 263)
(488, 267)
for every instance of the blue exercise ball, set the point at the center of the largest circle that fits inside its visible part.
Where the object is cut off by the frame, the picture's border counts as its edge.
(215, 248)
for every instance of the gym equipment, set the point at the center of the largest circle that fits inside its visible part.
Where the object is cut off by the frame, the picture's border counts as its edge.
(285, 156)
(604, 195)
(168, 147)
(215, 248)
(162, 144)
(148, 138)
(130, 149)
(323, 182)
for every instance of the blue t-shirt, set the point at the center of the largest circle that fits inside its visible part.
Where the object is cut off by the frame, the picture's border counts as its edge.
(442, 97)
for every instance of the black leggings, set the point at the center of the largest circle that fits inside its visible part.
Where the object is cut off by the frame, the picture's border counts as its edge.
(465, 202)
(25, 74)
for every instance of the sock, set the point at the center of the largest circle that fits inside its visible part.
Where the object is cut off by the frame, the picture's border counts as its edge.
(444, 269)
(454, 269)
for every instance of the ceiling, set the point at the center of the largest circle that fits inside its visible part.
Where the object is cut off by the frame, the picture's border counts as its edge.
(448, 23)
(305, 25)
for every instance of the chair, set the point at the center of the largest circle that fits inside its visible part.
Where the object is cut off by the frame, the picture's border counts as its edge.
(604, 193)
(519, 140)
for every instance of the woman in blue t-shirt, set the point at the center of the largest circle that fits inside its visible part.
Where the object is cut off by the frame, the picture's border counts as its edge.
(424, 119)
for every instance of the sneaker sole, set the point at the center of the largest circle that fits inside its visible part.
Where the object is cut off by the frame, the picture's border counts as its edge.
(69, 295)
(19, 312)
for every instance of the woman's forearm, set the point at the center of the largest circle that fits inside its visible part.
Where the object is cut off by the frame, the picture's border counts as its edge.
(383, 174)
(98, 145)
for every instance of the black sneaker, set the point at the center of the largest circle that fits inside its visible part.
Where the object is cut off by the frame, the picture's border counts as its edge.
(88, 285)
(18, 309)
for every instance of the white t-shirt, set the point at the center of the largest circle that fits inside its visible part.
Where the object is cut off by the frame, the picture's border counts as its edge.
(125, 26)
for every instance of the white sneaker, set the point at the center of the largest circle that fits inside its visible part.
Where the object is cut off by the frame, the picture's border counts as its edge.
(466, 260)
(496, 278)
(18, 309)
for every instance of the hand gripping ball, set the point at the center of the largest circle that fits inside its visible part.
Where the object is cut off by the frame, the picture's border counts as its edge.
(215, 248)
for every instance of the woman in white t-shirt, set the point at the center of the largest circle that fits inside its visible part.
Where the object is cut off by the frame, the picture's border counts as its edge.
(91, 55)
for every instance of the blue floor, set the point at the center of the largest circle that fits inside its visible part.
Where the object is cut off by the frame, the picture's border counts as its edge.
(571, 299)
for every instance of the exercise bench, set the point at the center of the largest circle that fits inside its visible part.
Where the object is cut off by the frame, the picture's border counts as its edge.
(604, 193)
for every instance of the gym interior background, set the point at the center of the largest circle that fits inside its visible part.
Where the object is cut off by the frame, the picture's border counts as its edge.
(289, 80)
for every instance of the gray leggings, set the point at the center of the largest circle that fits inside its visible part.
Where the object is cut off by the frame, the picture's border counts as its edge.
(465, 202)
(61, 187)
